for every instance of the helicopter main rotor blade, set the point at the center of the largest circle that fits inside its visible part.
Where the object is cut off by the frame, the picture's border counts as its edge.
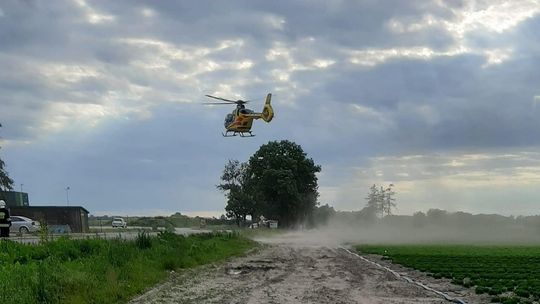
(216, 103)
(228, 100)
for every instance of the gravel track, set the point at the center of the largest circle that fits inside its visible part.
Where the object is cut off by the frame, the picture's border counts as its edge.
(296, 272)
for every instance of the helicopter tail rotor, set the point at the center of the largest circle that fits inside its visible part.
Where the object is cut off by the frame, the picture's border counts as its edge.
(267, 112)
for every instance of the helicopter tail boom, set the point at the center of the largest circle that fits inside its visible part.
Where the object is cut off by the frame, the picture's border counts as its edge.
(267, 112)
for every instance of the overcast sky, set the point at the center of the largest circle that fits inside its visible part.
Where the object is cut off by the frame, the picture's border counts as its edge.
(440, 98)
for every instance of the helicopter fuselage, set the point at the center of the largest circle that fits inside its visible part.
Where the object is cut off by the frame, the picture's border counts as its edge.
(238, 120)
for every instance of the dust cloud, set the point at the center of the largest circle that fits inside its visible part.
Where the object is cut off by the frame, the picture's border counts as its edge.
(439, 228)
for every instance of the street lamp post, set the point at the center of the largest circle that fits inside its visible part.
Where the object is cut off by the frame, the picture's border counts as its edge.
(67, 195)
(21, 196)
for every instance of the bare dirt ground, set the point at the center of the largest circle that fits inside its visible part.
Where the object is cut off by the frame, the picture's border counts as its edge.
(290, 269)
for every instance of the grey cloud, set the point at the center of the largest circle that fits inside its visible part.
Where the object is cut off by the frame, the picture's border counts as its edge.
(409, 105)
(440, 165)
(350, 25)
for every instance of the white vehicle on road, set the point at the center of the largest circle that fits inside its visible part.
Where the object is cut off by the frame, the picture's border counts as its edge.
(21, 224)
(119, 222)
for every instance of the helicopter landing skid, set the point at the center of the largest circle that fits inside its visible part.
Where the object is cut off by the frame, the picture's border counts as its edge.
(234, 133)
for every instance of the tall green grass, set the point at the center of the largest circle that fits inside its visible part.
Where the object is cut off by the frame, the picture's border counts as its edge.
(104, 271)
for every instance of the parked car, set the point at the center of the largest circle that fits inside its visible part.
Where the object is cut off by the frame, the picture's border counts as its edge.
(23, 224)
(119, 222)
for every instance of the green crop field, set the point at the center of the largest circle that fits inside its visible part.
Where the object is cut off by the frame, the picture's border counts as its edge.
(510, 274)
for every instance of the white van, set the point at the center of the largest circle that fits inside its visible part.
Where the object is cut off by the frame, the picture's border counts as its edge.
(119, 222)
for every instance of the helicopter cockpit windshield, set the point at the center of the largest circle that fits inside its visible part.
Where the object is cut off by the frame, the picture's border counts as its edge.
(228, 119)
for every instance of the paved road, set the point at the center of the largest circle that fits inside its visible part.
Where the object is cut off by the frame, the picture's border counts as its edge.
(127, 234)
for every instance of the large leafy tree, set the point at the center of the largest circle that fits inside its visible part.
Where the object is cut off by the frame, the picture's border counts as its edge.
(6, 183)
(239, 203)
(282, 182)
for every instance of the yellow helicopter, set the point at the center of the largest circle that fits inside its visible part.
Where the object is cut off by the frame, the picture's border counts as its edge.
(240, 120)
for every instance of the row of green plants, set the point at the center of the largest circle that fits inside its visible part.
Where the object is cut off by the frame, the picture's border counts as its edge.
(510, 274)
(104, 271)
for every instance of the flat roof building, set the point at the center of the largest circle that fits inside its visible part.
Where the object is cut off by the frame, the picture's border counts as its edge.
(75, 217)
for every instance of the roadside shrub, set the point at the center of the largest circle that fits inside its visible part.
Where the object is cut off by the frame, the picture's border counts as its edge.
(170, 263)
(209, 235)
(16, 287)
(119, 252)
(167, 236)
(143, 240)
(46, 287)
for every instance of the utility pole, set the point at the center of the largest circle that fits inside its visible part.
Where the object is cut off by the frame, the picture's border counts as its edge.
(67, 195)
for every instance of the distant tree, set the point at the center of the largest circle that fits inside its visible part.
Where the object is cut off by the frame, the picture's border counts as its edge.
(283, 182)
(321, 215)
(368, 214)
(437, 215)
(381, 200)
(6, 183)
(387, 200)
(374, 199)
(419, 219)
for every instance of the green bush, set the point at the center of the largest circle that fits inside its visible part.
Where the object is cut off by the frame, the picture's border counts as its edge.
(143, 240)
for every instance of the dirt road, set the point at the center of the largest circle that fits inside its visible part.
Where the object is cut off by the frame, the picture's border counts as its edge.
(286, 271)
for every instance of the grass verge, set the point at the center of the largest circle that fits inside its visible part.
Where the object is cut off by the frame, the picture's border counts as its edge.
(261, 232)
(104, 271)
